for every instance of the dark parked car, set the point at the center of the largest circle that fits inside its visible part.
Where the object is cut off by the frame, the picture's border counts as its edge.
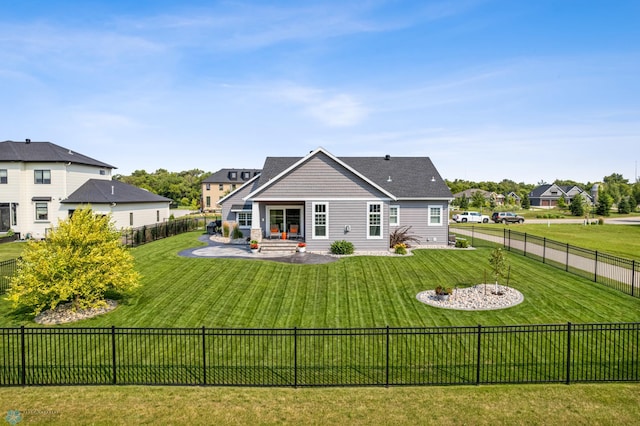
(506, 217)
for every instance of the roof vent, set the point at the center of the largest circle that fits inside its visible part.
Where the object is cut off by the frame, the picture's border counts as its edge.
(27, 140)
(387, 157)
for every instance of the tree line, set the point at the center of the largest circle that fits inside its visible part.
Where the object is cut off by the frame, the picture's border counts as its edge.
(185, 189)
(614, 191)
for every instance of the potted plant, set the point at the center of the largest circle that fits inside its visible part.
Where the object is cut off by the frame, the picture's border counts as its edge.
(302, 247)
(253, 246)
(443, 293)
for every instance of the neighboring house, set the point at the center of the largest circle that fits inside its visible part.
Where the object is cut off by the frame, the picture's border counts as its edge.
(548, 195)
(515, 197)
(222, 183)
(41, 182)
(488, 196)
(358, 199)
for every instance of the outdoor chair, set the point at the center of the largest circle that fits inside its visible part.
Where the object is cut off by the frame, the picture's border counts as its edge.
(294, 232)
(274, 231)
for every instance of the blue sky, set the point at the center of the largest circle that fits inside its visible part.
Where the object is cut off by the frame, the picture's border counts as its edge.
(490, 90)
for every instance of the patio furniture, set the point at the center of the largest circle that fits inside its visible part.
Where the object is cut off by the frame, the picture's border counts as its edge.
(274, 231)
(294, 232)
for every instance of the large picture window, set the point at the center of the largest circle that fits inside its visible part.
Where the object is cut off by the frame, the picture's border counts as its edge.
(244, 219)
(320, 220)
(42, 211)
(42, 176)
(374, 220)
(435, 216)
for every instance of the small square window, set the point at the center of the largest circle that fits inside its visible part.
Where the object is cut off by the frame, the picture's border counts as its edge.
(3, 176)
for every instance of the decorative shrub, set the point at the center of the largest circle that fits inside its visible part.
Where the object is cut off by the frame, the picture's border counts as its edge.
(600, 221)
(237, 233)
(253, 244)
(462, 243)
(225, 229)
(441, 291)
(342, 247)
(402, 236)
(400, 248)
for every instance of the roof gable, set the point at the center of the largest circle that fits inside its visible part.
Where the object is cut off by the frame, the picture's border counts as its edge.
(395, 177)
(266, 181)
(45, 152)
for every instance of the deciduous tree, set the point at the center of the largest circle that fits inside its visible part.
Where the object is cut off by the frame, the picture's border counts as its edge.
(79, 262)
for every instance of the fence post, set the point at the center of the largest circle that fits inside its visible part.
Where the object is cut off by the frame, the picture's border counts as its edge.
(295, 357)
(386, 380)
(633, 276)
(504, 238)
(595, 269)
(568, 353)
(525, 244)
(509, 239)
(473, 229)
(23, 373)
(113, 354)
(544, 249)
(566, 265)
(204, 358)
(478, 355)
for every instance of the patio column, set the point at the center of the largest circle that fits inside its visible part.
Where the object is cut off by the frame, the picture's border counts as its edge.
(256, 230)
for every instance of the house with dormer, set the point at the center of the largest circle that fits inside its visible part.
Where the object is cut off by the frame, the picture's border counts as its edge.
(320, 198)
(41, 182)
(221, 183)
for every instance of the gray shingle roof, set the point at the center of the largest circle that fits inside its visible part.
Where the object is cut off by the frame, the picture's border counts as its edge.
(223, 176)
(100, 191)
(45, 152)
(411, 177)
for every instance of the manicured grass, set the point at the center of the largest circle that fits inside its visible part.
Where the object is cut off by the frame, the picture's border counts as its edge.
(618, 240)
(11, 250)
(516, 404)
(353, 292)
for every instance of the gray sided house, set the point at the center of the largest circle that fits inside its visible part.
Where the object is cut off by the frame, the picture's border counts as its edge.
(320, 199)
(548, 195)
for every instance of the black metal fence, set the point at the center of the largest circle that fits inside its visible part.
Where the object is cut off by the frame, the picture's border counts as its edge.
(388, 356)
(612, 271)
(145, 234)
(7, 269)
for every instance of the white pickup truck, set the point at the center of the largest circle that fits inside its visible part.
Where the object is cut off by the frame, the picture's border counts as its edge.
(475, 217)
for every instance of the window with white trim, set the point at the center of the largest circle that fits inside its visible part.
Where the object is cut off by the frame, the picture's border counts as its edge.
(320, 220)
(42, 176)
(42, 211)
(394, 215)
(3, 176)
(374, 220)
(435, 216)
(244, 219)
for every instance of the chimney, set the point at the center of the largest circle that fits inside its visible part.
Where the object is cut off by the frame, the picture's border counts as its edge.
(387, 157)
(112, 189)
(27, 140)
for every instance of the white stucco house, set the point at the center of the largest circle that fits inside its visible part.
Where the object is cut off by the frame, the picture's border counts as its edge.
(41, 182)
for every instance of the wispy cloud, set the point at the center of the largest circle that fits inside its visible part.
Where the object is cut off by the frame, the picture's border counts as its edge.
(329, 108)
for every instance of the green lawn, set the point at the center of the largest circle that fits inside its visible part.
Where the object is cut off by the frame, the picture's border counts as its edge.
(618, 240)
(593, 404)
(11, 250)
(353, 292)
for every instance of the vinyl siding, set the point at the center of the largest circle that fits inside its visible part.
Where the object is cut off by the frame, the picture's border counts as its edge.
(416, 215)
(352, 213)
(317, 178)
